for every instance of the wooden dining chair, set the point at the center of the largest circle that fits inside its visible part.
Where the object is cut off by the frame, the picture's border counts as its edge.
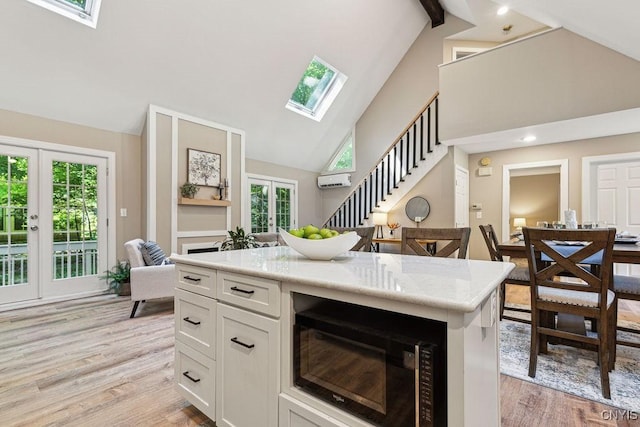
(457, 238)
(366, 237)
(627, 288)
(559, 284)
(518, 276)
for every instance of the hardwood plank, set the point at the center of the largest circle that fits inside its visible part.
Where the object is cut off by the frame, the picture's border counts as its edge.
(84, 362)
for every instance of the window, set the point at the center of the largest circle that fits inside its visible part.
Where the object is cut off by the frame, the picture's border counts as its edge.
(345, 158)
(83, 11)
(461, 52)
(317, 89)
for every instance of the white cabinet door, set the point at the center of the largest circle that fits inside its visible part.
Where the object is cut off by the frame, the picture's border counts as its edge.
(248, 354)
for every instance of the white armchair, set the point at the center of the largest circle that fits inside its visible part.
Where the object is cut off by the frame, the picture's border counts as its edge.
(148, 281)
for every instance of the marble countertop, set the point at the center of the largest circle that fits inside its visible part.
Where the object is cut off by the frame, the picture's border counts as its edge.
(448, 283)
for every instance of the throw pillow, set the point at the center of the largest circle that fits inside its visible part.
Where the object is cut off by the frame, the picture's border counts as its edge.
(152, 253)
(266, 244)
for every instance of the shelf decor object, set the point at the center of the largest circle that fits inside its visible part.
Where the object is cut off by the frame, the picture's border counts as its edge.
(189, 190)
(203, 168)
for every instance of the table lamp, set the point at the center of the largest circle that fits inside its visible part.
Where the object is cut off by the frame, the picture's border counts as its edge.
(379, 220)
(518, 223)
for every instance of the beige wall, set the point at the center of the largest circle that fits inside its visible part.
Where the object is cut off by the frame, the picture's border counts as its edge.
(407, 90)
(488, 189)
(309, 195)
(128, 155)
(534, 198)
(550, 77)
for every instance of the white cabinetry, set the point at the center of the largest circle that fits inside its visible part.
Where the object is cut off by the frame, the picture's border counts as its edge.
(247, 372)
(235, 320)
(195, 329)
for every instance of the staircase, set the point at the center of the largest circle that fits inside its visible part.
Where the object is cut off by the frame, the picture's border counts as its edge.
(409, 158)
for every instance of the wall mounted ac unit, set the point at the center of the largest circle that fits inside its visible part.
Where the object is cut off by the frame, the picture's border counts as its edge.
(333, 181)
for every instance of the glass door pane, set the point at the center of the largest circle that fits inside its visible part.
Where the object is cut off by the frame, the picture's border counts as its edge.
(284, 205)
(74, 220)
(260, 193)
(18, 240)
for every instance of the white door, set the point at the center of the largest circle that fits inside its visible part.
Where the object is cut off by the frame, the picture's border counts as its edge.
(18, 224)
(462, 197)
(54, 224)
(73, 227)
(618, 201)
(272, 205)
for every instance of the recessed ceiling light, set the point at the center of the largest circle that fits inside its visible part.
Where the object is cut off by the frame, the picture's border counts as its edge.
(503, 10)
(528, 138)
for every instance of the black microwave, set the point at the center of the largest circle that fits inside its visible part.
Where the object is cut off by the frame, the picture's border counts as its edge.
(387, 368)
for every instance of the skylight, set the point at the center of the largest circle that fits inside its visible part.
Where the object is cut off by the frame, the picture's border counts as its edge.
(83, 11)
(317, 89)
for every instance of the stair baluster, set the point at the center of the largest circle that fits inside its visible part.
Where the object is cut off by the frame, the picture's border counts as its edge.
(392, 168)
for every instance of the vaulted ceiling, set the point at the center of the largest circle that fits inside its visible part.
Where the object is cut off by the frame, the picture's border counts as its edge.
(237, 63)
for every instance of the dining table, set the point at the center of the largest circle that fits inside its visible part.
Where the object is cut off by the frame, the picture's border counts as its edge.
(625, 251)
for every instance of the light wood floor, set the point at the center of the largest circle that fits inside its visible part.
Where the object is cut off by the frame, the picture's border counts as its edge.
(85, 363)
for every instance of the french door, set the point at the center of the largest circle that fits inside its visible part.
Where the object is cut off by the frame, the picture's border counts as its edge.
(53, 229)
(273, 204)
(617, 201)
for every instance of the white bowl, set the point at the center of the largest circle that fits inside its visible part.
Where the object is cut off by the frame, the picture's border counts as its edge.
(321, 249)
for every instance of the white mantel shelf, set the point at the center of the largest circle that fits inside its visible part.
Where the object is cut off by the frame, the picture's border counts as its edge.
(446, 283)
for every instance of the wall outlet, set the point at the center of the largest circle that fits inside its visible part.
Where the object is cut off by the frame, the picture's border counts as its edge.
(123, 211)
(479, 215)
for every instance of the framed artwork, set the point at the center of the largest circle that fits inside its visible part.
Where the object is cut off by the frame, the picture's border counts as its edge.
(203, 168)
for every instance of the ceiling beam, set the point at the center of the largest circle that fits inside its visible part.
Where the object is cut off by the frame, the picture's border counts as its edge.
(435, 11)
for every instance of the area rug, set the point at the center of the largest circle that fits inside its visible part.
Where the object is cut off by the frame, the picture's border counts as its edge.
(571, 370)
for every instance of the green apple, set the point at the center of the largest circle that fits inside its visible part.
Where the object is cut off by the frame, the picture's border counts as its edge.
(298, 232)
(326, 233)
(334, 233)
(315, 236)
(310, 229)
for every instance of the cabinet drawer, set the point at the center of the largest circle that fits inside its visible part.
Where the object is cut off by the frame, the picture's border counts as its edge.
(297, 414)
(256, 294)
(195, 319)
(199, 280)
(196, 379)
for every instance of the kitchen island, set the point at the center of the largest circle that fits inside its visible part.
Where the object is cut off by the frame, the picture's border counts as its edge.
(235, 315)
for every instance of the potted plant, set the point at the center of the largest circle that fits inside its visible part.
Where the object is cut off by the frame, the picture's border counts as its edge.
(119, 278)
(189, 190)
(238, 240)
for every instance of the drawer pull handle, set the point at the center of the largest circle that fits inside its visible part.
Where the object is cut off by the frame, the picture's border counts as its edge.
(237, 341)
(193, 279)
(186, 374)
(244, 291)
(186, 319)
